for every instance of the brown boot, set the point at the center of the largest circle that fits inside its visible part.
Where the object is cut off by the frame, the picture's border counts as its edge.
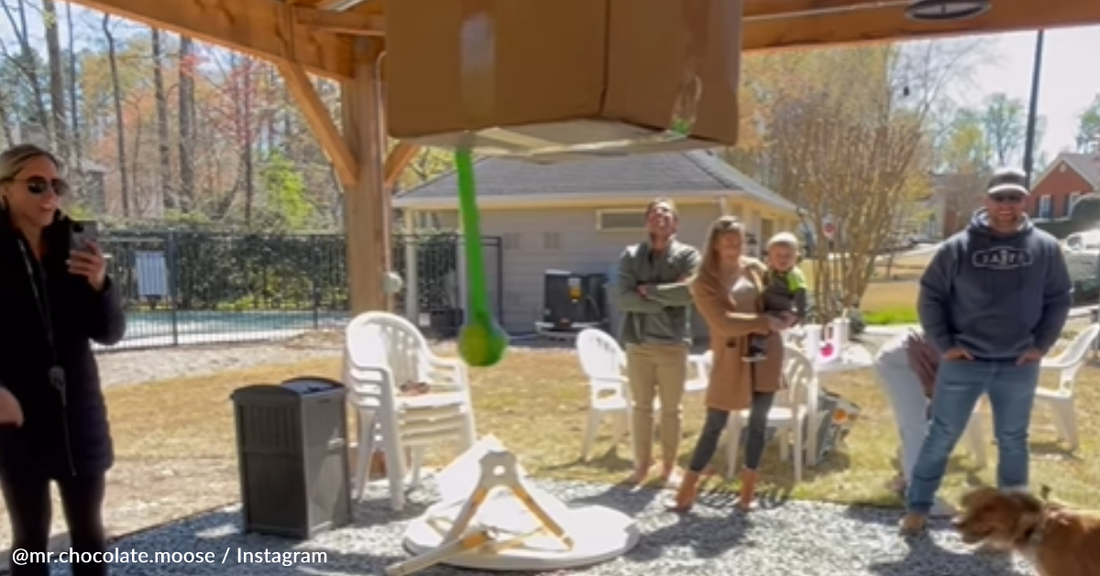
(747, 498)
(685, 495)
(912, 524)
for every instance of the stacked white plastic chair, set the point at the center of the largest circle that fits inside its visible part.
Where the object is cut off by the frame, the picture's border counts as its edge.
(795, 414)
(1059, 400)
(604, 363)
(384, 352)
(698, 373)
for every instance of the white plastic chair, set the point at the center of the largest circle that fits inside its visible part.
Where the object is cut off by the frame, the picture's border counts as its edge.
(383, 352)
(698, 373)
(1060, 400)
(795, 414)
(604, 362)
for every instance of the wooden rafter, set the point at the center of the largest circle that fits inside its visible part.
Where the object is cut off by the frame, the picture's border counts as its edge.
(320, 38)
(317, 115)
(888, 21)
(263, 28)
(350, 23)
(396, 162)
(758, 9)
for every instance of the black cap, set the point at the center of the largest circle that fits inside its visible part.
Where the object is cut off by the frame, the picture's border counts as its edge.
(1008, 180)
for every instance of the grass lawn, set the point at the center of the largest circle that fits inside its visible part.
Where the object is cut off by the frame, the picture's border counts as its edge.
(889, 302)
(180, 433)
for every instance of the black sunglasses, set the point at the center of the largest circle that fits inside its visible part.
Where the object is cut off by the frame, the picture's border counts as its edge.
(1007, 198)
(38, 185)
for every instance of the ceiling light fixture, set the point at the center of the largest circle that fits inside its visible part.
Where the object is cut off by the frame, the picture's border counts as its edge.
(946, 10)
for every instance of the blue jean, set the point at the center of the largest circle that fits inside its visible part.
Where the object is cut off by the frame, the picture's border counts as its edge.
(959, 385)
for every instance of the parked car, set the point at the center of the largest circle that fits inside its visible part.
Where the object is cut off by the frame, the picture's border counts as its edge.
(1082, 241)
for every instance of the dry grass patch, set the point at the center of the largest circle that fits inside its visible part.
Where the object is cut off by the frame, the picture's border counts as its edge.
(176, 448)
(891, 299)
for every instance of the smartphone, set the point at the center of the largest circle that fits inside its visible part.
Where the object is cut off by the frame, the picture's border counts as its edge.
(82, 233)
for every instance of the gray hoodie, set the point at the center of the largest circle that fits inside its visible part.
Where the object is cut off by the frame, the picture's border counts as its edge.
(994, 295)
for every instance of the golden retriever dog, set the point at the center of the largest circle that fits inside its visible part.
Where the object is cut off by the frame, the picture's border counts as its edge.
(1057, 540)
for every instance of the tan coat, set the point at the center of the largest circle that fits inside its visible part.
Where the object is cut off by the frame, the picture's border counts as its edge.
(731, 379)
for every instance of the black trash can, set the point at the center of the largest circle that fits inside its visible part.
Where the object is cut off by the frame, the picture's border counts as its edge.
(292, 450)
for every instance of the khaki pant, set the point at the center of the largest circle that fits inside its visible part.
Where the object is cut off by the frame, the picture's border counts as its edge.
(656, 371)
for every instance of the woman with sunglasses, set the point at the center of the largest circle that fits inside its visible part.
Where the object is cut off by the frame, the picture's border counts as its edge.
(55, 300)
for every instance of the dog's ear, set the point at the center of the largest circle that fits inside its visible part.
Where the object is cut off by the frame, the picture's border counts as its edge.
(1026, 501)
(977, 497)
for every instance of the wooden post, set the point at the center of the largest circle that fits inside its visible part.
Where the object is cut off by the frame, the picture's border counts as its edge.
(365, 218)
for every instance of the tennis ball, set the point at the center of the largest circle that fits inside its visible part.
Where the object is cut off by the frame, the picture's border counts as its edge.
(482, 343)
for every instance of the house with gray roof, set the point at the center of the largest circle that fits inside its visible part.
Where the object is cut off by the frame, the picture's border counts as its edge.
(1069, 177)
(579, 216)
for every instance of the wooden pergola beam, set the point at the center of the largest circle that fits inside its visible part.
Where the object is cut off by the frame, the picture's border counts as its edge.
(757, 9)
(320, 120)
(263, 28)
(888, 22)
(366, 206)
(349, 23)
(396, 162)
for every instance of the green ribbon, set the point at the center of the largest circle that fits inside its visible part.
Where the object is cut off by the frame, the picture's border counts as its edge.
(482, 341)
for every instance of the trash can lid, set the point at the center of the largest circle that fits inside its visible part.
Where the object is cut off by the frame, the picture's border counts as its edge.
(306, 385)
(292, 388)
(256, 390)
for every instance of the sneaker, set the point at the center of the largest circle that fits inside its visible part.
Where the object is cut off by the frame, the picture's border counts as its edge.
(912, 524)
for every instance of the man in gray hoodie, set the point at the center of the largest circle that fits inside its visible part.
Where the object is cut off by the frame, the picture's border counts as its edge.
(993, 302)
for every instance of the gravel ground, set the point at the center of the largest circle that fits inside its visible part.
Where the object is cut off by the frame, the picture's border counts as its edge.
(780, 539)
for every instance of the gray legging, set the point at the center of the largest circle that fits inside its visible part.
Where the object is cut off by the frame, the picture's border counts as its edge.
(716, 422)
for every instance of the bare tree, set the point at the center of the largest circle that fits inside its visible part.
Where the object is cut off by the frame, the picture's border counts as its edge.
(857, 174)
(164, 144)
(57, 122)
(77, 148)
(27, 61)
(1005, 122)
(186, 123)
(120, 120)
(849, 136)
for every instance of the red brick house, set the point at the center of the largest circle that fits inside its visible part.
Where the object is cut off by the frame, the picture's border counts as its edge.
(1068, 177)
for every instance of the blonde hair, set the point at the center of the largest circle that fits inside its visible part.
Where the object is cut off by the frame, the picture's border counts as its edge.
(14, 159)
(720, 227)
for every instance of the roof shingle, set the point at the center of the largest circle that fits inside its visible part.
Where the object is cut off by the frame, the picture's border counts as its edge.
(666, 173)
(1087, 164)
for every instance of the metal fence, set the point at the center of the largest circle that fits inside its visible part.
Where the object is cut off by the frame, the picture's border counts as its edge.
(184, 288)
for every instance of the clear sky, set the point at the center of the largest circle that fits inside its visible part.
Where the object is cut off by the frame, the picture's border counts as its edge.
(1070, 77)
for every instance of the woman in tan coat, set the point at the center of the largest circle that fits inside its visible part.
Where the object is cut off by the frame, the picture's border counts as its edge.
(727, 293)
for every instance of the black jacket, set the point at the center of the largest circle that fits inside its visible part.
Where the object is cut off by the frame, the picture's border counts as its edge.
(62, 435)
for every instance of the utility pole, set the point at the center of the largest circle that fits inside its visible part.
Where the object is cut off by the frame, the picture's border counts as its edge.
(1033, 107)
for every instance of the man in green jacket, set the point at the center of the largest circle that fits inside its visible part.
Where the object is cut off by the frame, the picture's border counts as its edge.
(652, 295)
